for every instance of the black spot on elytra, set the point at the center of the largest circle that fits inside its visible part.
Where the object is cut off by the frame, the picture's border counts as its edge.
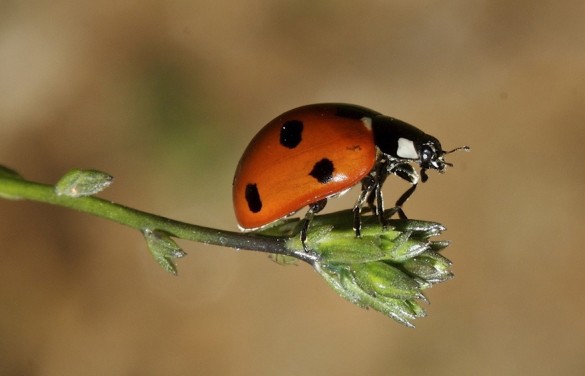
(322, 171)
(253, 198)
(291, 133)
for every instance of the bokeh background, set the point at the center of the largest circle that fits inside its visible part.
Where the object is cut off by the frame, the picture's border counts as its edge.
(165, 96)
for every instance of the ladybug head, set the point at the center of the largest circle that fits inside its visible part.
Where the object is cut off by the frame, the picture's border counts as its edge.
(405, 142)
(432, 156)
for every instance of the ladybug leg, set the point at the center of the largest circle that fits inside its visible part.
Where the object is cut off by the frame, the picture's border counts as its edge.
(369, 184)
(314, 208)
(378, 208)
(371, 202)
(408, 173)
(405, 196)
(376, 202)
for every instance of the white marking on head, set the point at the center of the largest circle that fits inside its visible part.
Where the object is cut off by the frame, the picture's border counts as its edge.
(406, 149)
(367, 122)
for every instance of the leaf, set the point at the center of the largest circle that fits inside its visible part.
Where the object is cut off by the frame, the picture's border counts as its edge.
(81, 183)
(9, 173)
(6, 172)
(164, 249)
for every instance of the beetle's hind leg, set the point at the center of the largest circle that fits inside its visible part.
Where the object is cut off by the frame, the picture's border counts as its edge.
(314, 208)
(369, 184)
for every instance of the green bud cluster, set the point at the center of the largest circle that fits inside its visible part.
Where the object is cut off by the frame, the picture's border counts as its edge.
(386, 269)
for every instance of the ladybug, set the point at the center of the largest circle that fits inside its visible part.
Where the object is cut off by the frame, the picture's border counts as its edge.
(319, 151)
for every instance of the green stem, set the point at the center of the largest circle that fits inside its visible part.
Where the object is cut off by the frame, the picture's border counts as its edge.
(23, 189)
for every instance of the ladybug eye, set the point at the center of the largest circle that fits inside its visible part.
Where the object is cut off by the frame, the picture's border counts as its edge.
(427, 155)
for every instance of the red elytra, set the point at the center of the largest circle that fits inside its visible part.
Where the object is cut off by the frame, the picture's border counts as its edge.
(301, 157)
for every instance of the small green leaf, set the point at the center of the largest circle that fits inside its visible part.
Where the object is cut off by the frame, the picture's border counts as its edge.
(163, 248)
(379, 278)
(6, 172)
(9, 173)
(80, 183)
(402, 247)
(400, 310)
(430, 266)
(438, 245)
(420, 229)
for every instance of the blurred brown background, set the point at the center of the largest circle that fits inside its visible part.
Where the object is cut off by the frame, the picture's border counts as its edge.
(165, 95)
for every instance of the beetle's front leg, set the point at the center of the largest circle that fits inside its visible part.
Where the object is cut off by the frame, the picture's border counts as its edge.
(407, 172)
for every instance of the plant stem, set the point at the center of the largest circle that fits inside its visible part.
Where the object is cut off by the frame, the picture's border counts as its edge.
(23, 189)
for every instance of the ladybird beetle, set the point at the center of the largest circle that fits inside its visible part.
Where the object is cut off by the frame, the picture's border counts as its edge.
(319, 151)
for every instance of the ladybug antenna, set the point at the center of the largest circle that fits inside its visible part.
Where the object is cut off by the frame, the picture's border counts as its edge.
(464, 148)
